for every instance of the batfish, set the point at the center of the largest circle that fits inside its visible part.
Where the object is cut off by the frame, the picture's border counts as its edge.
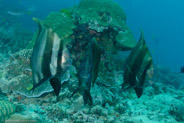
(136, 66)
(49, 58)
(88, 71)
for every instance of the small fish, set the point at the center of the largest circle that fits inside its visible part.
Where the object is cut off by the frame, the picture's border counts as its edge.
(49, 58)
(137, 64)
(19, 13)
(88, 71)
(31, 8)
(182, 69)
(15, 13)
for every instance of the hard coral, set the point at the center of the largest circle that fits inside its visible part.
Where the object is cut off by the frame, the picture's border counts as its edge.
(61, 24)
(102, 12)
(105, 16)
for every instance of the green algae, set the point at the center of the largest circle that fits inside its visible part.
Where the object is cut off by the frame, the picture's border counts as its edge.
(67, 12)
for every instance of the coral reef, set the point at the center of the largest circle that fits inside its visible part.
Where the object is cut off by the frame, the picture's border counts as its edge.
(164, 75)
(13, 37)
(162, 101)
(159, 103)
(106, 16)
(16, 76)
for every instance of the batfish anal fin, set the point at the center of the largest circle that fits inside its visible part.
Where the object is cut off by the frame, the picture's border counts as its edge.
(126, 88)
(87, 98)
(56, 85)
(139, 91)
(40, 83)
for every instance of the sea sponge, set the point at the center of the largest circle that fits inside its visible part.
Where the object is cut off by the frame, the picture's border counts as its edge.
(6, 108)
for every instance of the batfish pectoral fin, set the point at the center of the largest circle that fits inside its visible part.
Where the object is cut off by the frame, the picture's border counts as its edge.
(56, 85)
(87, 98)
(75, 92)
(124, 88)
(139, 91)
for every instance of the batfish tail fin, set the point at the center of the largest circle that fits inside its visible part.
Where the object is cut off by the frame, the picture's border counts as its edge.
(56, 85)
(138, 91)
(87, 98)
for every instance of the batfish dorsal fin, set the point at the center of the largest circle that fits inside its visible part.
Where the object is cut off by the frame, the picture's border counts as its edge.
(40, 23)
(142, 36)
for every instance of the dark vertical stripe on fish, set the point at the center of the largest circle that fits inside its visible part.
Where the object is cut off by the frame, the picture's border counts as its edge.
(59, 60)
(47, 54)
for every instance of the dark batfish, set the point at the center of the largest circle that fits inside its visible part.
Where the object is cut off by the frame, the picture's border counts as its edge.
(136, 66)
(88, 71)
(49, 58)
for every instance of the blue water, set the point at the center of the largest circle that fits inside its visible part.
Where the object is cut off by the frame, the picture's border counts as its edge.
(161, 21)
